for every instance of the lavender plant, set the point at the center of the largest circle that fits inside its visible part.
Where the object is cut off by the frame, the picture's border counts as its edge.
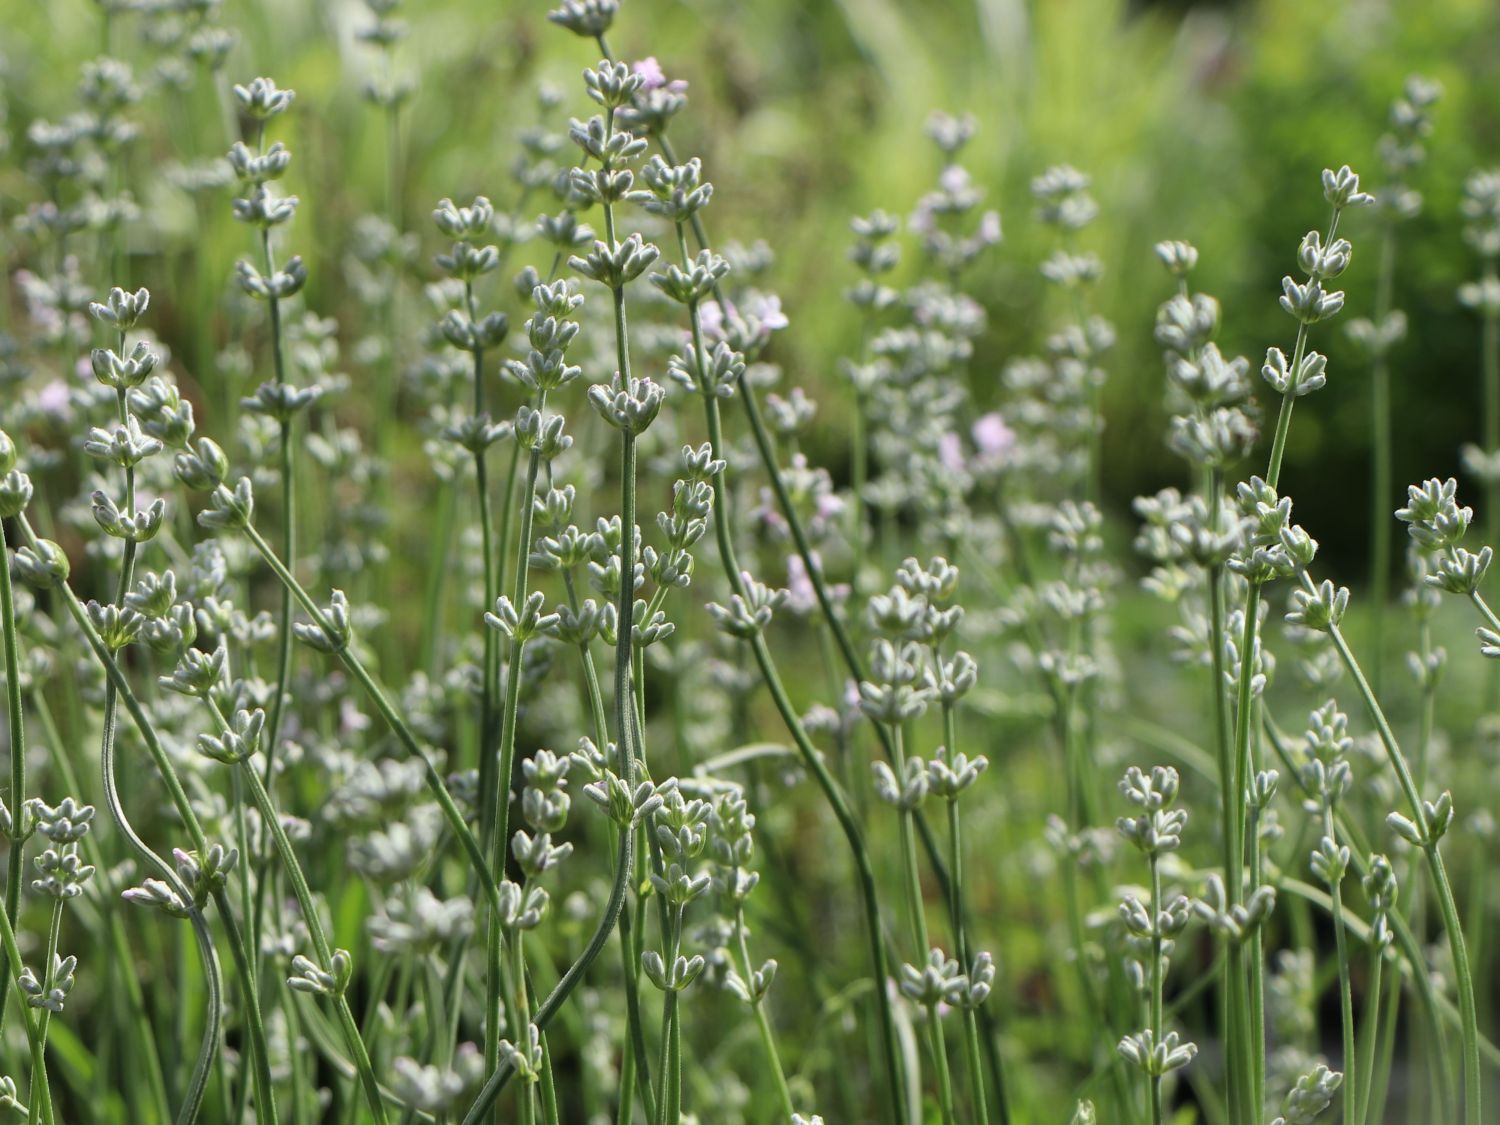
(704, 755)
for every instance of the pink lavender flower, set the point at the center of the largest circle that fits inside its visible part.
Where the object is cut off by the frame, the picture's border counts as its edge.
(649, 72)
(652, 77)
(992, 437)
(54, 399)
(951, 452)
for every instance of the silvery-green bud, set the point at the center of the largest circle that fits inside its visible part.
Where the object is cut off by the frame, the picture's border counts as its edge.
(1178, 257)
(113, 371)
(261, 100)
(1153, 1058)
(41, 567)
(1436, 519)
(937, 981)
(616, 267)
(120, 308)
(746, 616)
(197, 673)
(283, 283)
(52, 998)
(1320, 609)
(157, 895)
(586, 18)
(281, 401)
(203, 466)
(682, 972)
(8, 455)
(228, 509)
(316, 980)
(1341, 189)
(15, 491)
(1309, 302)
(332, 634)
(538, 854)
(258, 168)
(1461, 572)
(464, 223)
(117, 626)
(906, 793)
(628, 405)
(1312, 1094)
(240, 741)
(1308, 377)
(1323, 263)
(611, 84)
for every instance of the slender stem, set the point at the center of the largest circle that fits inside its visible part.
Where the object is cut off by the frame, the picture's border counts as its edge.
(762, 1023)
(864, 871)
(30, 1020)
(1380, 460)
(1156, 982)
(311, 916)
(961, 940)
(388, 712)
(1346, 994)
(1490, 362)
(260, 1055)
(730, 562)
(1467, 1007)
(1371, 1032)
(17, 728)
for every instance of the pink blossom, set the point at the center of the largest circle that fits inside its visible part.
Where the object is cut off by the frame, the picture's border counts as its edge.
(53, 399)
(951, 452)
(767, 310)
(649, 71)
(992, 436)
(801, 597)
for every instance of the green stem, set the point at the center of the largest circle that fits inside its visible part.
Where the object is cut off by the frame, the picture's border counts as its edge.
(864, 871)
(310, 915)
(1346, 993)
(1468, 1009)
(40, 1091)
(1380, 460)
(730, 561)
(17, 728)
(1156, 983)
(762, 1023)
(355, 667)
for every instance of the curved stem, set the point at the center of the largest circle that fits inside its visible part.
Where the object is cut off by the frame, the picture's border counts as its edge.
(1463, 973)
(310, 915)
(17, 728)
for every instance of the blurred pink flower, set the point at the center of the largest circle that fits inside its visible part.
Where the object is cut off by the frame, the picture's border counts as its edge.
(993, 438)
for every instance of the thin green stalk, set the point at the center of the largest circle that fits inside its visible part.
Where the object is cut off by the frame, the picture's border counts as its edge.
(1157, 1019)
(355, 667)
(1490, 363)
(940, 1054)
(119, 946)
(961, 937)
(730, 562)
(1380, 460)
(17, 727)
(40, 1093)
(260, 1055)
(1468, 1009)
(669, 1092)
(311, 916)
(1346, 992)
(762, 1023)
(627, 758)
(1370, 1033)
(44, 1015)
(864, 871)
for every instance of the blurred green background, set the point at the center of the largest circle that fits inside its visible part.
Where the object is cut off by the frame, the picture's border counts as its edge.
(1208, 122)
